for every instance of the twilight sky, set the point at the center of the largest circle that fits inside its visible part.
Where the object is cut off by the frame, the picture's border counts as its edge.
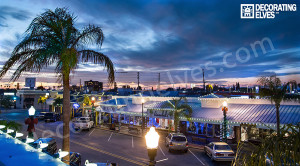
(175, 38)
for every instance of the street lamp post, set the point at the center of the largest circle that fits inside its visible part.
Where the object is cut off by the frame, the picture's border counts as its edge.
(143, 123)
(31, 121)
(225, 109)
(93, 110)
(152, 138)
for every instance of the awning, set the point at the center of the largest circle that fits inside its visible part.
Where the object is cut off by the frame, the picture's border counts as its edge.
(259, 114)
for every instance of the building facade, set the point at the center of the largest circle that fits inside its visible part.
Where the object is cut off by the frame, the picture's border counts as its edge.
(93, 85)
(248, 119)
(28, 98)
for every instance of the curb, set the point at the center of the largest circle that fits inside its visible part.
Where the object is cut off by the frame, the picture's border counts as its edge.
(116, 131)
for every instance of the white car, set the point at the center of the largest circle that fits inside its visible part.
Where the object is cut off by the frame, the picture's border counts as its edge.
(219, 151)
(176, 141)
(83, 123)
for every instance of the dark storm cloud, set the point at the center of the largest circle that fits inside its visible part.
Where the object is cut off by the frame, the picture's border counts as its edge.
(189, 33)
(7, 12)
(178, 36)
(189, 30)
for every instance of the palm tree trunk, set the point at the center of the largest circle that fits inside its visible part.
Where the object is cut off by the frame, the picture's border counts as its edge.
(176, 121)
(66, 116)
(277, 118)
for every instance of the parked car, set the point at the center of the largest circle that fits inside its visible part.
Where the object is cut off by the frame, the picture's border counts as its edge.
(176, 141)
(41, 115)
(219, 151)
(51, 117)
(83, 123)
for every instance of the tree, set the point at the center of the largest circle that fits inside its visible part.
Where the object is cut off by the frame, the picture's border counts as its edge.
(292, 85)
(6, 102)
(274, 91)
(180, 108)
(274, 149)
(42, 100)
(85, 100)
(53, 39)
(11, 125)
(40, 88)
(209, 88)
(58, 102)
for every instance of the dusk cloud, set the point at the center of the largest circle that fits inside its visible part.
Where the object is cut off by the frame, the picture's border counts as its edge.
(174, 37)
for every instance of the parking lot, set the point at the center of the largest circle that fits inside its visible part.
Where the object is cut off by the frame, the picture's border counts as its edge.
(98, 145)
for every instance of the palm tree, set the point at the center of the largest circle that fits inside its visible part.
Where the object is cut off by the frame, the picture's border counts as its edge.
(42, 100)
(6, 102)
(180, 108)
(11, 124)
(58, 102)
(85, 100)
(53, 39)
(274, 91)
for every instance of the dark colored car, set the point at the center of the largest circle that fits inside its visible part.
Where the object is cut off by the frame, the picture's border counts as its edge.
(41, 115)
(51, 117)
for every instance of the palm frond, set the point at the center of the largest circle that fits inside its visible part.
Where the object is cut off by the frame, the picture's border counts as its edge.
(90, 34)
(186, 111)
(99, 58)
(37, 60)
(58, 101)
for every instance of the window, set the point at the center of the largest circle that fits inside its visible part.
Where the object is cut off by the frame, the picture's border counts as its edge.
(178, 139)
(217, 130)
(222, 147)
(209, 129)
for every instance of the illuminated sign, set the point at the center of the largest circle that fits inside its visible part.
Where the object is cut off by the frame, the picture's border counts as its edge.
(76, 105)
(9, 94)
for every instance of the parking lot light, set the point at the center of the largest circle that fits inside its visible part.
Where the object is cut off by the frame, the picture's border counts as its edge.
(41, 146)
(31, 121)
(19, 135)
(143, 121)
(31, 111)
(29, 140)
(225, 109)
(152, 139)
(225, 104)
(2, 127)
(62, 154)
(8, 131)
(87, 163)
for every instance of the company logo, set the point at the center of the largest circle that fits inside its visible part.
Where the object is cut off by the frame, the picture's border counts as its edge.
(247, 10)
(265, 11)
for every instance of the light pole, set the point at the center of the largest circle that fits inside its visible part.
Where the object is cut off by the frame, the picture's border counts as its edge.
(152, 138)
(31, 121)
(93, 110)
(143, 123)
(225, 109)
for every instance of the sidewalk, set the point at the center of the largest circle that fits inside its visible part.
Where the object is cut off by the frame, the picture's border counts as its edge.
(124, 130)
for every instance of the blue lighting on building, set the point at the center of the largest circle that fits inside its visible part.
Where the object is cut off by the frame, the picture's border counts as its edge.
(76, 105)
